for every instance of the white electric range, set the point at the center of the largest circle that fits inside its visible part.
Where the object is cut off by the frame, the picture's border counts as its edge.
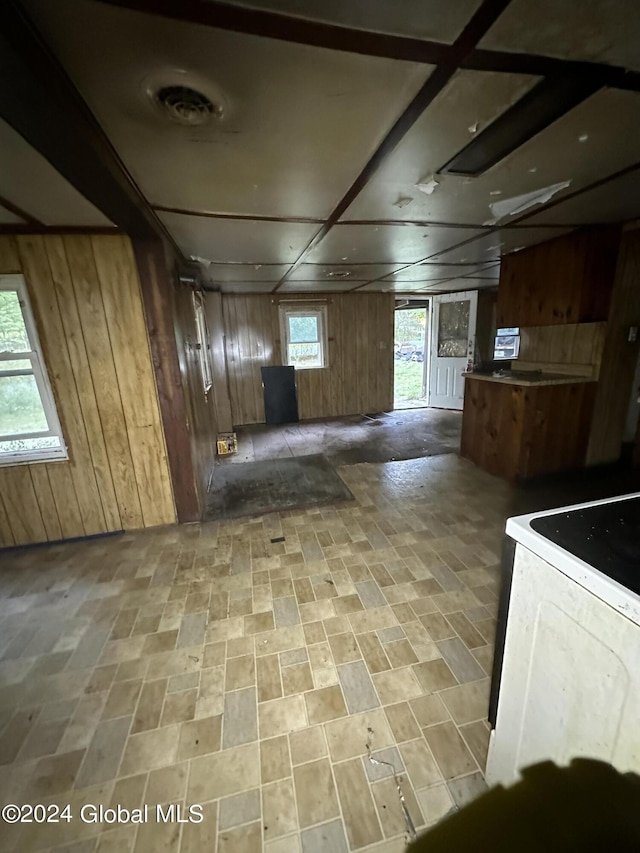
(566, 679)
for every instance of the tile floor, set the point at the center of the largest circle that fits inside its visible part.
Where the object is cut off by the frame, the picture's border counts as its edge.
(206, 664)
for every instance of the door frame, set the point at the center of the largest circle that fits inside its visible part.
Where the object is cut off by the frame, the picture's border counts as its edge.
(455, 296)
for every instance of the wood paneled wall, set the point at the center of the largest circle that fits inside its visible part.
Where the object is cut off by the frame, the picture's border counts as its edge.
(566, 280)
(201, 413)
(619, 357)
(574, 348)
(85, 295)
(359, 377)
(215, 327)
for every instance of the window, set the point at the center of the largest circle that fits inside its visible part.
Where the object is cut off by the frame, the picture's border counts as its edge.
(507, 343)
(29, 426)
(304, 336)
(202, 344)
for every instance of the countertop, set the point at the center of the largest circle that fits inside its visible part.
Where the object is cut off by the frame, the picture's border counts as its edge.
(529, 377)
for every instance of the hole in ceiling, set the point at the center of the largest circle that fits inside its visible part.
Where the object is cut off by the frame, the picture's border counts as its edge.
(187, 106)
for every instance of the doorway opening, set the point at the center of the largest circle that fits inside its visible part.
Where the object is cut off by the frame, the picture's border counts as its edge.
(411, 348)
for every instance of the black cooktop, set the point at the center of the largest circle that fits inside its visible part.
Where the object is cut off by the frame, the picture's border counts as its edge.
(606, 536)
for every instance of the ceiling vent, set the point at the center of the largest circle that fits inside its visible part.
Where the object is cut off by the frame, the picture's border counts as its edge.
(187, 106)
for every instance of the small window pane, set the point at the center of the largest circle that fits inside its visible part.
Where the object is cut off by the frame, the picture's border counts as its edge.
(303, 330)
(304, 355)
(15, 364)
(13, 333)
(453, 329)
(21, 410)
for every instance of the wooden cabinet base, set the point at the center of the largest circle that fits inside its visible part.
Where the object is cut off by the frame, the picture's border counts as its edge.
(523, 431)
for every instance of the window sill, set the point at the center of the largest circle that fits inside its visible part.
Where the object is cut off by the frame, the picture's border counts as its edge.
(32, 459)
(314, 367)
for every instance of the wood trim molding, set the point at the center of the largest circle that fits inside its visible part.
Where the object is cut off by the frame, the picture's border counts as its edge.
(157, 291)
(17, 211)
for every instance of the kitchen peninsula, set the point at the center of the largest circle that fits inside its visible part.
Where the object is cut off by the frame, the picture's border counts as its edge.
(564, 404)
(526, 423)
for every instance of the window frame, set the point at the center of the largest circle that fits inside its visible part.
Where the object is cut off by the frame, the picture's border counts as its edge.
(202, 341)
(308, 310)
(17, 284)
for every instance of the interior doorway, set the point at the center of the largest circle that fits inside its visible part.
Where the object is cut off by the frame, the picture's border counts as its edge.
(410, 356)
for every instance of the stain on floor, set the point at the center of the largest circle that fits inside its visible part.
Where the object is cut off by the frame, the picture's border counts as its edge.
(350, 440)
(273, 485)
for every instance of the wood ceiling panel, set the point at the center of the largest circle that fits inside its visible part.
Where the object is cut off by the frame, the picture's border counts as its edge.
(386, 243)
(245, 272)
(238, 240)
(427, 19)
(9, 218)
(606, 31)
(246, 287)
(395, 286)
(319, 286)
(298, 123)
(592, 141)
(32, 184)
(434, 272)
(616, 201)
(337, 272)
(456, 284)
(470, 102)
(491, 247)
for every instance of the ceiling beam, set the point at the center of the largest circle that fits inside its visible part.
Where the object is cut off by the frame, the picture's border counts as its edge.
(17, 211)
(41, 103)
(266, 24)
(475, 29)
(277, 25)
(613, 76)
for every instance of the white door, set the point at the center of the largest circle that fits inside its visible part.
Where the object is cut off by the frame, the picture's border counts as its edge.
(453, 337)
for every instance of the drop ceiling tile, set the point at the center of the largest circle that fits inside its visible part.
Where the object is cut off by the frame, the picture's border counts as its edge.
(615, 201)
(386, 243)
(458, 284)
(334, 272)
(471, 101)
(491, 247)
(246, 272)
(297, 123)
(427, 19)
(605, 31)
(9, 218)
(430, 272)
(319, 286)
(395, 286)
(597, 138)
(238, 240)
(247, 286)
(32, 184)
